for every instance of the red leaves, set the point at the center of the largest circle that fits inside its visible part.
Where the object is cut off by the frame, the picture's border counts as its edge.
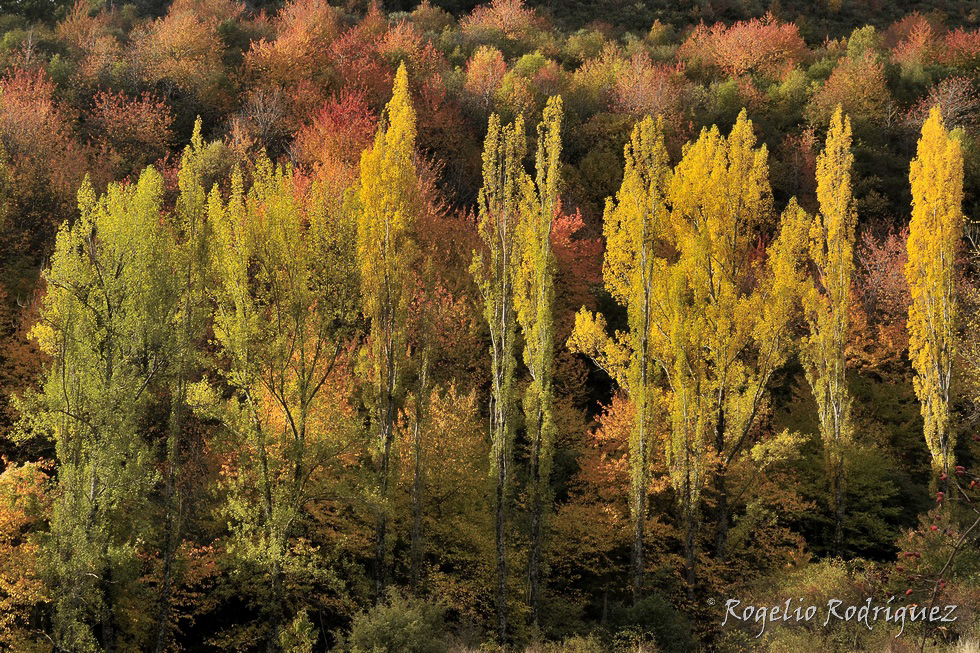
(648, 88)
(962, 49)
(338, 132)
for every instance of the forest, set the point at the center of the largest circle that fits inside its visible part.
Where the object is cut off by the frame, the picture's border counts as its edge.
(557, 327)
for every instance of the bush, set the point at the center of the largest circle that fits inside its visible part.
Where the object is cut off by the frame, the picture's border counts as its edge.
(401, 624)
(652, 618)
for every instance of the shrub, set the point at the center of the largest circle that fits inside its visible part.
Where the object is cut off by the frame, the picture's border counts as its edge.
(401, 624)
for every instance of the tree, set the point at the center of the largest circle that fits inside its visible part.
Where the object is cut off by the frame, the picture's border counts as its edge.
(633, 224)
(107, 322)
(826, 303)
(766, 46)
(504, 181)
(25, 501)
(285, 284)
(386, 255)
(534, 295)
(190, 259)
(724, 310)
(857, 84)
(936, 175)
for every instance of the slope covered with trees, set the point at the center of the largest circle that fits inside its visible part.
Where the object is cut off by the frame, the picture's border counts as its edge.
(432, 327)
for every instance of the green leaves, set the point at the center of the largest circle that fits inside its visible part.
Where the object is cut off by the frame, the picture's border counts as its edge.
(107, 322)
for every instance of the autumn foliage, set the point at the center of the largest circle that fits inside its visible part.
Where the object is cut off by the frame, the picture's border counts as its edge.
(331, 327)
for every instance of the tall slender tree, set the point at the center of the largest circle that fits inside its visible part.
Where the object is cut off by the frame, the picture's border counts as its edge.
(826, 303)
(633, 225)
(190, 260)
(534, 300)
(495, 271)
(936, 175)
(387, 255)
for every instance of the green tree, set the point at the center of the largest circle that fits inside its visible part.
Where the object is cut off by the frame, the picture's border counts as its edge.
(107, 322)
(189, 259)
(387, 253)
(285, 284)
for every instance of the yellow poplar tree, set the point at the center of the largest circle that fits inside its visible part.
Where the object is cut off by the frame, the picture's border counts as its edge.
(633, 225)
(534, 299)
(387, 253)
(936, 176)
(723, 314)
(826, 301)
(495, 271)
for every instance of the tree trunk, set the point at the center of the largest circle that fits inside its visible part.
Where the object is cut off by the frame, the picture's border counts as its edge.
(275, 609)
(534, 560)
(721, 491)
(108, 620)
(838, 505)
(637, 554)
(690, 526)
(501, 558)
(171, 527)
(416, 547)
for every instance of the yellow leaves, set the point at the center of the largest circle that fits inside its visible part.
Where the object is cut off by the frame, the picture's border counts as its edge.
(826, 299)
(389, 205)
(780, 448)
(635, 222)
(936, 175)
(589, 337)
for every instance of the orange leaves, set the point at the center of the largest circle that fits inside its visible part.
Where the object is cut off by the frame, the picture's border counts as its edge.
(765, 46)
(913, 40)
(304, 32)
(184, 49)
(484, 72)
(24, 505)
(879, 331)
(507, 19)
(131, 132)
(47, 163)
(27, 109)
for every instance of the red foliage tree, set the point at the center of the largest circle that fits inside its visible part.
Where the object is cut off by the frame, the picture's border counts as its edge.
(912, 40)
(763, 45)
(333, 140)
(961, 48)
(648, 88)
